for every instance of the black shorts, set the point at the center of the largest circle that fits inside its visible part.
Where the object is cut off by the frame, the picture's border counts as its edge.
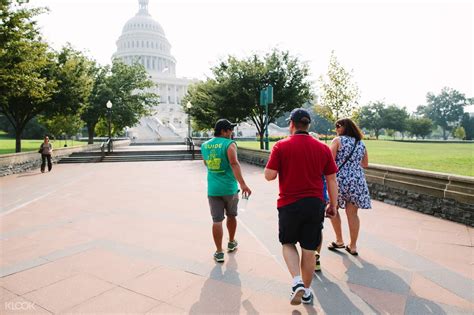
(302, 221)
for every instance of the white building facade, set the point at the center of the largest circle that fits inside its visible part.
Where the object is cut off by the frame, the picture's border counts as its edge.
(143, 40)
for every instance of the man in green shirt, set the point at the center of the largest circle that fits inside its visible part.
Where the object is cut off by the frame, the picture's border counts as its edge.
(223, 173)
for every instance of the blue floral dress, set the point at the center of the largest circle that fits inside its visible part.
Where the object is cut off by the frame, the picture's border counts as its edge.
(351, 178)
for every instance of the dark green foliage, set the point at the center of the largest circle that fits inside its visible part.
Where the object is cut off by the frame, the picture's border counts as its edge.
(233, 91)
(445, 110)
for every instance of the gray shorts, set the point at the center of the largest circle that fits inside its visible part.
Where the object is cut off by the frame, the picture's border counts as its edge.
(219, 204)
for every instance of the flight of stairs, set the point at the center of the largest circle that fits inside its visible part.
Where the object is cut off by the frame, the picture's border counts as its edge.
(81, 157)
(170, 142)
(144, 156)
(132, 156)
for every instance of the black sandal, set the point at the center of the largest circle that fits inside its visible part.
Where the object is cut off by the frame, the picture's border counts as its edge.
(334, 246)
(348, 249)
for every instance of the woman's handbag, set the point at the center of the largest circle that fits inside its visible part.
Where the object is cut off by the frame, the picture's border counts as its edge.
(350, 155)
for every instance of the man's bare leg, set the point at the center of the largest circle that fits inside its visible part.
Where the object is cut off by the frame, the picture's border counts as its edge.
(217, 233)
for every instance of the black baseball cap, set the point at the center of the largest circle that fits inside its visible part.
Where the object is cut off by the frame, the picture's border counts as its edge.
(299, 115)
(223, 124)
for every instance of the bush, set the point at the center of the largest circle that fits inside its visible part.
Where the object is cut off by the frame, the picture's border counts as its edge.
(460, 133)
(273, 139)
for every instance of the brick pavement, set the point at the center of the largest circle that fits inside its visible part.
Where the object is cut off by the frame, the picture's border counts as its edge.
(136, 238)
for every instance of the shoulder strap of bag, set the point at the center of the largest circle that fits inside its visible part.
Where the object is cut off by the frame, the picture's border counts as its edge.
(350, 155)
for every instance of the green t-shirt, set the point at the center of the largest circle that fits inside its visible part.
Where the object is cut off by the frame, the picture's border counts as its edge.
(220, 178)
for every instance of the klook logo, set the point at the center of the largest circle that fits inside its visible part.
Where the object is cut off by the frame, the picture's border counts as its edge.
(20, 306)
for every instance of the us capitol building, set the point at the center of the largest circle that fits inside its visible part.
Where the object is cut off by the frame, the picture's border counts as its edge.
(143, 40)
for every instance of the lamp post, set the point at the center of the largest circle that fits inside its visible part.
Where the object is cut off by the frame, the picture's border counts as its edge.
(109, 110)
(189, 106)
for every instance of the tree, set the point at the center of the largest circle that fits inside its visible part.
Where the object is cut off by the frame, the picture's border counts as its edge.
(459, 133)
(467, 123)
(127, 87)
(62, 124)
(233, 91)
(390, 133)
(33, 129)
(73, 72)
(95, 106)
(395, 118)
(26, 85)
(419, 127)
(340, 94)
(445, 109)
(319, 123)
(132, 98)
(205, 98)
(371, 117)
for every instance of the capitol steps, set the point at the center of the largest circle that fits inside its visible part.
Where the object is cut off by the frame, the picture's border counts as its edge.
(82, 157)
(172, 142)
(132, 156)
(169, 156)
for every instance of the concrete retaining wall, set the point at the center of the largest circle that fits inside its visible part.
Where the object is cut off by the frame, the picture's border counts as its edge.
(20, 162)
(441, 195)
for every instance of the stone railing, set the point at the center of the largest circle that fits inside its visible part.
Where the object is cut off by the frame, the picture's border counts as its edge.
(19, 162)
(442, 195)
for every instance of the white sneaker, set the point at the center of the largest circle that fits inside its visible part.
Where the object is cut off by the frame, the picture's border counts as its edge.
(297, 292)
(308, 298)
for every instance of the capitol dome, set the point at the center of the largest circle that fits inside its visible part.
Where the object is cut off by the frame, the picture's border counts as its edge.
(142, 22)
(143, 40)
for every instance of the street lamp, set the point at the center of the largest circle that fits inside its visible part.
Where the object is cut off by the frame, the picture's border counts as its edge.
(189, 106)
(109, 110)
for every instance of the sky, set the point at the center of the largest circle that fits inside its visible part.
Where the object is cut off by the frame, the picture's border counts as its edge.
(398, 51)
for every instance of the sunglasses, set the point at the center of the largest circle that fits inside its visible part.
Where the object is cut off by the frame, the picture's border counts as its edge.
(338, 126)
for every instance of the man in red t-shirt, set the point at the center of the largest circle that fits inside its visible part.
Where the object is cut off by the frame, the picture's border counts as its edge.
(300, 162)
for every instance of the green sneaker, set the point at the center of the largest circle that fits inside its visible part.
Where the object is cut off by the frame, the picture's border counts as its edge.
(317, 267)
(231, 246)
(219, 257)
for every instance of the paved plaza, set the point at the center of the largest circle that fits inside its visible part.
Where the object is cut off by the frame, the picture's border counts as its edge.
(136, 238)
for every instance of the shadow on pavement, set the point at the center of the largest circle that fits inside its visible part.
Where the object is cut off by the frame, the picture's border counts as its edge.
(222, 291)
(366, 274)
(331, 297)
(421, 306)
(249, 309)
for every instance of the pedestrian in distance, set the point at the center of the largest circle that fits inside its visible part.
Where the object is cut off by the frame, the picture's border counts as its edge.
(300, 162)
(223, 174)
(351, 156)
(46, 149)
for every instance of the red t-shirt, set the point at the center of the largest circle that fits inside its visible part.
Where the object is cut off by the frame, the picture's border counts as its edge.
(301, 161)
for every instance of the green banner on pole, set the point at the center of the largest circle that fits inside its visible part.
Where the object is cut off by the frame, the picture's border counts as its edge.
(263, 97)
(266, 96)
(269, 94)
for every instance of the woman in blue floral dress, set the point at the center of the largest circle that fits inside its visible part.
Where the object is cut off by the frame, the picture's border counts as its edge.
(351, 157)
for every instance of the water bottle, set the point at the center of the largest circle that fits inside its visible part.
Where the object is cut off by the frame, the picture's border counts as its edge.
(243, 202)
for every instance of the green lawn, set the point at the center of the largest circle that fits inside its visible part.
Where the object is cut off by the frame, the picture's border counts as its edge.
(453, 158)
(7, 145)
